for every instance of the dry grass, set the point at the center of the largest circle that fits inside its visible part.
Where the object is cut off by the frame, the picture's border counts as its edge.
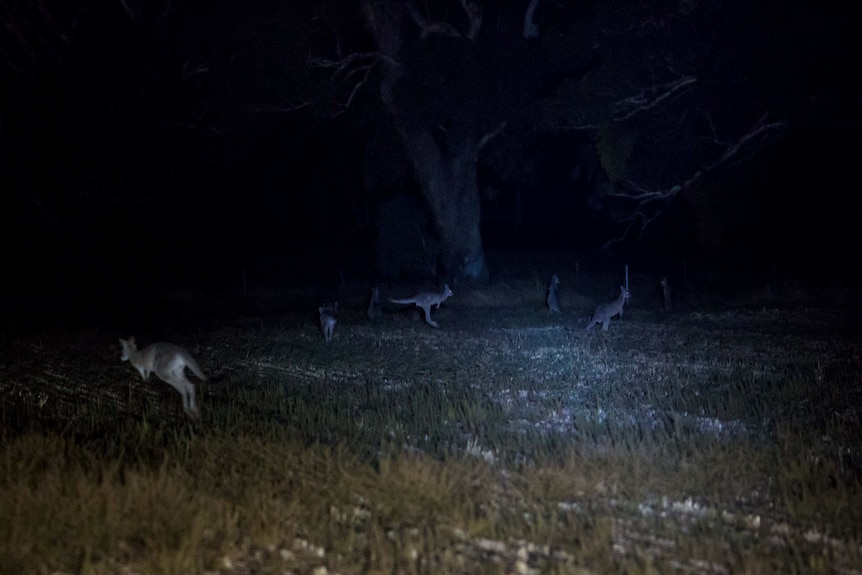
(508, 441)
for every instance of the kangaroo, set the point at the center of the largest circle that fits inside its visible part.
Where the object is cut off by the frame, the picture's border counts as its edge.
(665, 292)
(168, 361)
(552, 301)
(427, 300)
(328, 311)
(605, 312)
(374, 312)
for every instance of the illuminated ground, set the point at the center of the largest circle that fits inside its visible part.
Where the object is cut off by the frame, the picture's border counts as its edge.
(707, 441)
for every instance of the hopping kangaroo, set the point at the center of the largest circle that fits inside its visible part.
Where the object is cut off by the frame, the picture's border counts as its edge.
(552, 301)
(427, 300)
(605, 312)
(328, 311)
(168, 362)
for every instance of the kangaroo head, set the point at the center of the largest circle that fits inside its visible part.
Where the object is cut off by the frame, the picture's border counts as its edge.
(129, 347)
(330, 308)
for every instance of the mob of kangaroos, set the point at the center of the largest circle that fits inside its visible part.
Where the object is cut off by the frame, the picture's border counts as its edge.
(168, 362)
(605, 312)
(425, 301)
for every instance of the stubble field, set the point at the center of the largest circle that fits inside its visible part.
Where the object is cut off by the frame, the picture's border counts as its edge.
(709, 440)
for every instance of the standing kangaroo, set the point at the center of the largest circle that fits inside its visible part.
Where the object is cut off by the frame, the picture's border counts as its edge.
(552, 301)
(666, 295)
(605, 312)
(328, 313)
(168, 362)
(426, 300)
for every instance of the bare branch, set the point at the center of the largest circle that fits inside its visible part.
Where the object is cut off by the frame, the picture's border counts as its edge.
(347, 69)
(474, 15)
(132, 14)
(383, 21)
(427, 27)
(284, 109)
(189, 72)
(530, 28)
(649, 204)
(490, 135)
(347, 65)
(650, 98)
(762, 130)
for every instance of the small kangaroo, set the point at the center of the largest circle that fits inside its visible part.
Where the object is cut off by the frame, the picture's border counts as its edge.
(605, 312)
(665, 292)
(552, 301)
(374, 313)
(168, 362)
(328, 311)
(427, 300)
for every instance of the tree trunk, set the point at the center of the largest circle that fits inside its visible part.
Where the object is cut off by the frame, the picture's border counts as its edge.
(445, 174)
(449, 185)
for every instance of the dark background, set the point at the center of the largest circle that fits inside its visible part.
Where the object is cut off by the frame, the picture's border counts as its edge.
(149, 146)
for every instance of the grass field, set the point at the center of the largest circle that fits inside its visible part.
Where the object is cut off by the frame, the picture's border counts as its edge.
(712, 440)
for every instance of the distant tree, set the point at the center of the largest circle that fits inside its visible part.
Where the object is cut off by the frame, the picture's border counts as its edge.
(452, 76)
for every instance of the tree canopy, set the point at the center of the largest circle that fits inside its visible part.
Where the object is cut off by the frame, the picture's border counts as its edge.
(111, 106)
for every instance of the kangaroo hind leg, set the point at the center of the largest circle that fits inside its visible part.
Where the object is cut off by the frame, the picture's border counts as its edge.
(428, 320)
(178, 381)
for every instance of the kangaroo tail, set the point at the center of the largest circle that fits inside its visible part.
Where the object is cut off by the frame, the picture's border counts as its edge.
(193, 365)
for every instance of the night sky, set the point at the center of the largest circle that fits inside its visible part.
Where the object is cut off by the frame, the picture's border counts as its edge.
(150, 146)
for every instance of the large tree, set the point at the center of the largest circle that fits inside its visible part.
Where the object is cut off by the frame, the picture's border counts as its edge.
(646, 82)
(452, 77)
